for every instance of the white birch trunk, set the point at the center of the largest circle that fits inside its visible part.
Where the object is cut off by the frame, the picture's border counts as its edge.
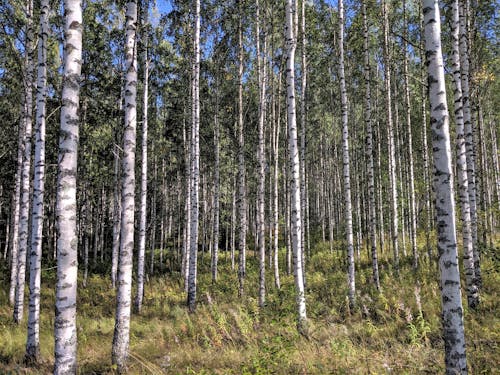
(65, 334)
(242, 204)
(346, 163)
(144, 174)
(472, 292)
(469, 140)
(33, 339)
(369, 146)
(195, 164)
(216, 229)
(453, 328)
(124, 279)
(24, 207)
(296, 229)
(392, 152)
(261, 157)
(116, 217)
(413, 214)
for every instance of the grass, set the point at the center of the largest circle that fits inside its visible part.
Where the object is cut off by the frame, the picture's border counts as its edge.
(395, 331)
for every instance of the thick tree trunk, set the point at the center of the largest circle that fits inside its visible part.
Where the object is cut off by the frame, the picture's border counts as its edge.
(65, 335)
(453, 328)
(123, 298)
(296, 227)
(33, 339)
(195, 164)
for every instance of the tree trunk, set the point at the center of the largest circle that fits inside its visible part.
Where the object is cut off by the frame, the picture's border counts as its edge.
(472, 293)
(469, 140)
(261, 157)
(24, 210)
(369, 151)
(65, 335)
(453, 328)
(116, 216)
(346, 163)
(296, 228)
(392, 155)
(123, 297)
(144, 172)
(33, 339)
(195, 164)
(413, 214)
(242, 209)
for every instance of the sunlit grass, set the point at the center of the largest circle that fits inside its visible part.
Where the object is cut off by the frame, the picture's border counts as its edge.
(397, 330)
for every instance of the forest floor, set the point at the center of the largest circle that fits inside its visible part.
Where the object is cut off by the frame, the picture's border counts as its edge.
(395, 331)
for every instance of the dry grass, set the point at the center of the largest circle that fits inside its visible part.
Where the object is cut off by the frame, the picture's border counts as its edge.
(386, 334)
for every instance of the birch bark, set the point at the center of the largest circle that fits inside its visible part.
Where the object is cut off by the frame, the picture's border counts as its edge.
(33, 339)
(65, 334)
(452, 317)
(296, 228)
(123, 297)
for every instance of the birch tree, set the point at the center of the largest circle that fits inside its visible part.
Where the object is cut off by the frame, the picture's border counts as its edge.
(65, 335)
(468, 129)
(144, 171)
(24, 207)
(390, 135)
(411, 178)
(242, 204)
(369, 152)
(261, 157)
(463, 186)
(296, 229)
(124, 278)
(346, 162)
(452, 317)
(33, 339)
(195, 162)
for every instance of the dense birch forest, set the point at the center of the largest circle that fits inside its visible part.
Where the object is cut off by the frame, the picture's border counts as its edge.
(249, 186)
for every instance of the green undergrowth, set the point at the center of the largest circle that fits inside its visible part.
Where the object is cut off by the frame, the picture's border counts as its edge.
(396, 330)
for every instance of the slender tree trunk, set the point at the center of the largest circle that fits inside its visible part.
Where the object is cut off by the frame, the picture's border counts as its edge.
(303, 119)
(369, 151)
(453, 328)
(195, 164)
(346, 162)
(242, 205)
(116, 217)
(65, 335)
(413, 213)
(276, 137)
(33, 338)
(121, 335)
(26, 167)
(216, 229)
(261, 156)
(144, 172)
(427, 179)
(392, 155)
(296, 228)
(469, 140)
(472, 293)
